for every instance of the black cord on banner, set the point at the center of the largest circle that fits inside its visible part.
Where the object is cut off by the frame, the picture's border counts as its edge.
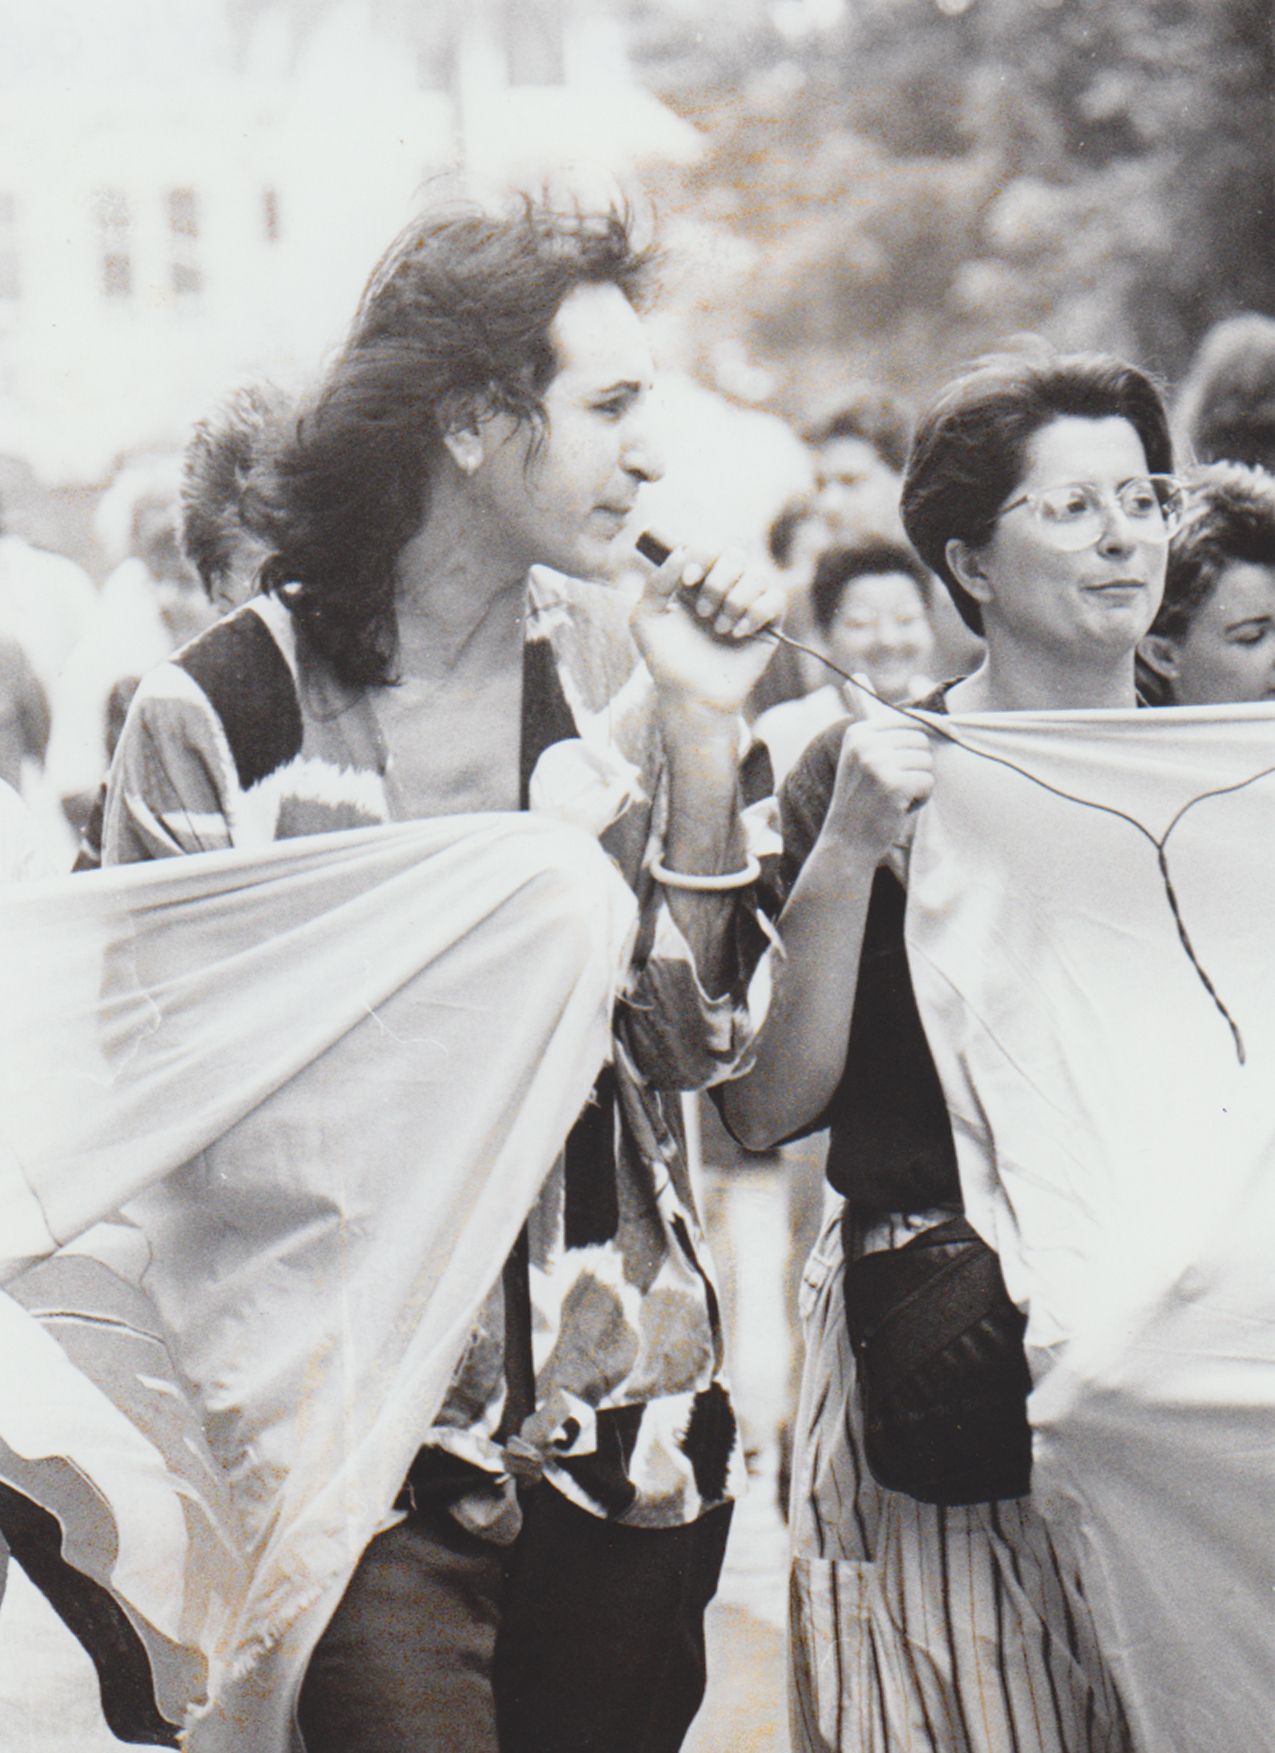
(929, 724)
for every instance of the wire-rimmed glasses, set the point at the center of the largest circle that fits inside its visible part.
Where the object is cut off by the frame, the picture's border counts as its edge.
(1075, 515)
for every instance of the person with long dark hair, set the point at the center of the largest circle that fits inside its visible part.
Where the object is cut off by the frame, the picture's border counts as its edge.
(930, 1608)
(430, 639)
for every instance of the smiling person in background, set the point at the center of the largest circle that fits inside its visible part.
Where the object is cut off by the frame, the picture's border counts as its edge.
(1213, 641)
(871, 606)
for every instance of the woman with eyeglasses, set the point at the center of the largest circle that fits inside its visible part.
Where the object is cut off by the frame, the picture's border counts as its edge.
(929, 1607)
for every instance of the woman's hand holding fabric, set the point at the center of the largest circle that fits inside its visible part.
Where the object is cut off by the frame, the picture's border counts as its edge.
(885, 770)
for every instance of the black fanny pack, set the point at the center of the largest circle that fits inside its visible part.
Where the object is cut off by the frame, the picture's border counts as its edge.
(943, 1378)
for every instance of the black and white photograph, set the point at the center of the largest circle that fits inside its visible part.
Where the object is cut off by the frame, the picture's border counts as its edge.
(637, 796)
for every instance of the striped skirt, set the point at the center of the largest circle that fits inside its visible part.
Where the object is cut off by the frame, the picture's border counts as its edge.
(917, 1629)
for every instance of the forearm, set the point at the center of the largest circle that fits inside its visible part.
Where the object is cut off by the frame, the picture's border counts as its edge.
(36, 722)
(703, 835)
(801, 1047)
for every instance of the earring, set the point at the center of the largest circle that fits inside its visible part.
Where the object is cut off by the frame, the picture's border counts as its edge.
(466, 450)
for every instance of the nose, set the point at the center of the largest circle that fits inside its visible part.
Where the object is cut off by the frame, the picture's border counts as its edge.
(1118, 533)
(642, 456)
(883, 640)
(832, 497)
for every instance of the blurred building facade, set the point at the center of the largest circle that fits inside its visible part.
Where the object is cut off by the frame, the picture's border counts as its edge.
(193, 193)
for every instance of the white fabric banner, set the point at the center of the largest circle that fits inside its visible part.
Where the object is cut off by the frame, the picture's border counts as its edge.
(1092, 939)
(324, 1083)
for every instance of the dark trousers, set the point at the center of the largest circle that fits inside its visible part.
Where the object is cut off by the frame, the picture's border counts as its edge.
(582, 1637)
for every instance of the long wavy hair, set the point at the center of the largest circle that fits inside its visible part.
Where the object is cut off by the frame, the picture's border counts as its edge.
(454, 323)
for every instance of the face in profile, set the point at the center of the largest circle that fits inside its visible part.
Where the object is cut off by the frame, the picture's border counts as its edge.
(881, 629)
(1227, 653)
(566, 500)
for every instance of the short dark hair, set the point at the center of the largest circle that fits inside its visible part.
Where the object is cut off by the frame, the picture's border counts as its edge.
(872, 413)
(220, 456)
(455, 321)
(1228, 514)
(839, 567)
(1227, 404)
(970, 447)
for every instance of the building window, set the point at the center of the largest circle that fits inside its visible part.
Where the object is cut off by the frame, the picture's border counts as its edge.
(10, 272)
(270, 214)
(185, 273)
(114, 243)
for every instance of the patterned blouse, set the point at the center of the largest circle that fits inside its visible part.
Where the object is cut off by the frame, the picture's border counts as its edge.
(245, 737)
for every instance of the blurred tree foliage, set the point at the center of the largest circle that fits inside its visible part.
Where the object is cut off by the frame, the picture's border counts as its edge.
(888, 193)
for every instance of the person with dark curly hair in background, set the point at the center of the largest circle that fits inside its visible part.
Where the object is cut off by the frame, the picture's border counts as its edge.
(224, 449)
(1213, 640)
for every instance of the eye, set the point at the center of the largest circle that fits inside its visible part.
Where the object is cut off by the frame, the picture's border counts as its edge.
(614, 407)
(1139, 499)
(1253, 633)
(1065, 504)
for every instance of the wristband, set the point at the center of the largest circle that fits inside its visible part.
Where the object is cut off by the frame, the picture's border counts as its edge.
(711, 881)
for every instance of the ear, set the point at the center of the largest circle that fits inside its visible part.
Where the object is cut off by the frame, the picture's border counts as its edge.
(460, 418)
(966, 566)
(1160, 653)
(464, 445)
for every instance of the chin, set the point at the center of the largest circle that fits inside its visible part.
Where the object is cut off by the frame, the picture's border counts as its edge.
(588, 562)
(1120, 632)
(601, 564)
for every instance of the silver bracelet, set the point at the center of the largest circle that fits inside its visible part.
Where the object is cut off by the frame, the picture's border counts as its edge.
(708, 883)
